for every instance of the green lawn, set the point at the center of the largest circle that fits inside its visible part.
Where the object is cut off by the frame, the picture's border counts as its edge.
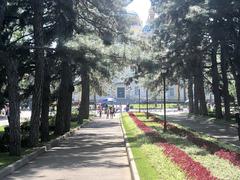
(2, 129)
(230, 147)
(150, 159)
(5, 159)
(220, 168)
(152, 106)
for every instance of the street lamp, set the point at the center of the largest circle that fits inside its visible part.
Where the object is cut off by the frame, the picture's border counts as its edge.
(147, 102)
(164, 72)
(139, 99)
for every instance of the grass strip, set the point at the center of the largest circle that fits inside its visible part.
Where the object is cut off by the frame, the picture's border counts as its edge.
(227, 146)
(153, 106)
(2, 129)
(5, 159)
(220, 168)
(210, 146)
(150, 160)
(193, 169)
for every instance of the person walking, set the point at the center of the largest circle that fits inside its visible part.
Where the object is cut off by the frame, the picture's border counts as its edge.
(127, 107)
(111, 112)
(107, 112)
(99, 108)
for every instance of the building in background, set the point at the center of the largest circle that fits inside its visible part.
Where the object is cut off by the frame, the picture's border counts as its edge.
(128, 94)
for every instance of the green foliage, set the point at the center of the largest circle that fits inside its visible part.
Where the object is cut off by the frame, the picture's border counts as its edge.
(2, 129)
(154, 106)
(6, 160)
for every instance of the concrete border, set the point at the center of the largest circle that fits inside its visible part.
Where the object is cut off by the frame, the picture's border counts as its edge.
(37, 151)
(133, 167)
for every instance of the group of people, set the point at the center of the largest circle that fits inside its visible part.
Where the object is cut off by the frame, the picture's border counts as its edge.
(106, 109)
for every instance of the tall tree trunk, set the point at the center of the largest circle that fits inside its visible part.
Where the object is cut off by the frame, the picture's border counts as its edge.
(84, 105)
(3, 4)
(236, 76)
(215, 84)
(95, 100)
(235, 67)
(184, 91)
(178, 96)
(68, 113)
(190, 95)
(62, 99)
(200, 89)
(37, 6)
(64, 106)
(59, 122)
(45, 105)
(224, 68)
(14, 105)
(70, 89)
(196, 98)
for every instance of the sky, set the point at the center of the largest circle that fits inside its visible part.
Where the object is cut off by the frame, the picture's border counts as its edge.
(141, 7)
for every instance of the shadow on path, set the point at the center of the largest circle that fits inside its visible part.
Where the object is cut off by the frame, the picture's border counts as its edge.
(222, 131)
(97, 151)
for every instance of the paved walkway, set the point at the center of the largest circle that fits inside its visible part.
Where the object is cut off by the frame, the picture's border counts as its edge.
(222, 131)
(96, 152)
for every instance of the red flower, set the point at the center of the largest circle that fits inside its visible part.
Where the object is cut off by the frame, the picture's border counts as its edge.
(212, 147)
(193, 169)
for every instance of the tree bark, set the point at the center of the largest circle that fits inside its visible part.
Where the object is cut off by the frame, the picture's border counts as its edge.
(64, 106)
(190, 95)
(37, 6)
(196, 98)
(95, 100)
(184, 90)
(235, 67)
(44, 128)
(84, 105)
(63, 99)
(178, 96)
(237, 82)
(216, 85)
(70, 89)
(200, 89)
(203, 103)
(14, 105)
(3, 4)
(224, 68)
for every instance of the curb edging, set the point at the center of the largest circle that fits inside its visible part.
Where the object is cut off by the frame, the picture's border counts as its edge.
(133, 167)
(21, 162)
(38, 151)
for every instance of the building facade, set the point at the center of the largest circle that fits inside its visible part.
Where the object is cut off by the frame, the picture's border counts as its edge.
(136, 92)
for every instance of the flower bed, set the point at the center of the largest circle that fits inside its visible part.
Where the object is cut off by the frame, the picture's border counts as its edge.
(211, 147)
(193, 169)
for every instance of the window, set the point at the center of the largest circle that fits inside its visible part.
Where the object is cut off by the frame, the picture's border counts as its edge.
(171, 92)
(120, 92)
(136, 91)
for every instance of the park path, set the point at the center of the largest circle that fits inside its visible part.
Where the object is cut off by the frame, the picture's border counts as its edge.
(95, 152)
(222, 131)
